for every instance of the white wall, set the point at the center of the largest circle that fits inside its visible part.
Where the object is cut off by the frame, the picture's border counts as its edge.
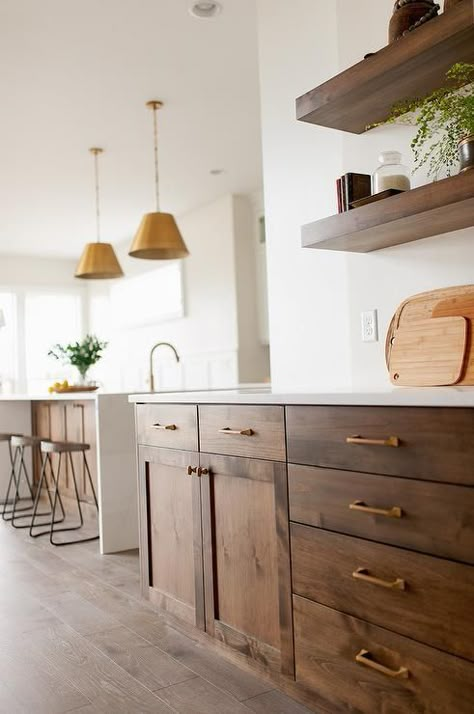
(207, 337)
(309, 328)
(38, 271)
(316, 297)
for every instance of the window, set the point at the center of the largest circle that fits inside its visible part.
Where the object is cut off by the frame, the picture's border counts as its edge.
(49, 319)
(8, 342)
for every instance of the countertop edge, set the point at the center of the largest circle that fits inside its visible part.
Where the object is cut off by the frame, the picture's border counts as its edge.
(403, 397)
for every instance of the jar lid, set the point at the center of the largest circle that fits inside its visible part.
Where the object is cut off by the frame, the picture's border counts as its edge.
(390, 157)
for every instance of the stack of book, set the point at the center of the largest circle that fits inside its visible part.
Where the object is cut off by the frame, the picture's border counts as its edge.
(352, 187)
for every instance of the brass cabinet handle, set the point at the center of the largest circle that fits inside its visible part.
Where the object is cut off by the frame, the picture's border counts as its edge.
(391, 441)
(192, 470)
(237, 432)
(364, 657)
(394, 512)
(202, 472)
(363, 574)
(167, 427)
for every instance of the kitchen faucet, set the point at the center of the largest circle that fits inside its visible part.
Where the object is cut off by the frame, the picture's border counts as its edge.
(159, 344)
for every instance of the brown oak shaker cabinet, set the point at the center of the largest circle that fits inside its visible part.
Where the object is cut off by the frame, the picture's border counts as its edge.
(331, 547)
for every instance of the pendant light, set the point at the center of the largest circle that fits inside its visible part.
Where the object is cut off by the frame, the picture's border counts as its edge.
(98, 260)
(158, 236)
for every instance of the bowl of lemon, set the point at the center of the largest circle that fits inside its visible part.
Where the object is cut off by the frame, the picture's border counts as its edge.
(64, 387)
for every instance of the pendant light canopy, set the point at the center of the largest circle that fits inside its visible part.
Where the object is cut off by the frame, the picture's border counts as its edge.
(158, 236)
(98, 260)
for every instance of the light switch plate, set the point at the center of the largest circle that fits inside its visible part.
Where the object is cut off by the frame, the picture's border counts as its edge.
(369, 325)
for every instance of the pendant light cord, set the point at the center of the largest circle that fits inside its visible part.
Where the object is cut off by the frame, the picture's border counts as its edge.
(155, 137)
(97, 193)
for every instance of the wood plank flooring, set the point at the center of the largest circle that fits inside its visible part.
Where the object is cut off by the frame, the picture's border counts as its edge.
(76, 637)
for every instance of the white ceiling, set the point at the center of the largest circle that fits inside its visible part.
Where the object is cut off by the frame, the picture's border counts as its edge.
(77, 74)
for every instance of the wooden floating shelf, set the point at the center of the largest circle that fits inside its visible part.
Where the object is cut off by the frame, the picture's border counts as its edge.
(430, 210)
(412, 66)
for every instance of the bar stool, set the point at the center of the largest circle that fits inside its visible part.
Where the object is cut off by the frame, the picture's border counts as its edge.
(66, 448)
(19, 470)
(15, 479)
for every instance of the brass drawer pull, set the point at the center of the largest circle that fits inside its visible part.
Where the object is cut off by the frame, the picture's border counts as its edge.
(236, 432)
(363, 574)
(167, 427)
(391, 441)
(394, 512)
(202, 472)
(364, 657)
(192, 470)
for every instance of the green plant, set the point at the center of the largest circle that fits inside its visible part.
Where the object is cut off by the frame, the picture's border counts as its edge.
(442, 118)
(81, 355)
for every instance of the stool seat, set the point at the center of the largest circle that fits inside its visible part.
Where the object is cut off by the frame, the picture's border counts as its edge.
(16, 440)
(62, 447)
(7, 437)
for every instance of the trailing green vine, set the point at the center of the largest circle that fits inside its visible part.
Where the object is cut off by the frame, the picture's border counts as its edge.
(442, 118)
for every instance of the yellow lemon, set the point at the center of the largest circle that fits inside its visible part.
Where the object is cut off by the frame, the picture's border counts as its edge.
(50, 390)
(65, 384)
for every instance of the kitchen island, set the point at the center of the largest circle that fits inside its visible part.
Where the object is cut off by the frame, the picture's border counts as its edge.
(106, 422)
(326, 540)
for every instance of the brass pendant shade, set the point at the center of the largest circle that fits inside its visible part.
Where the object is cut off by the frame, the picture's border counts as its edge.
(98, 262)
(158, 236)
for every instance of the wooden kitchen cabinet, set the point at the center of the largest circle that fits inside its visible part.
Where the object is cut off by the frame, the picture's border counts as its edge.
(247, 579)
(170, 532)
(303, 543)
(69, 421)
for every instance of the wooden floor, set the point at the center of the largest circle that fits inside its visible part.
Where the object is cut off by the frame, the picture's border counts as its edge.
(76, 637)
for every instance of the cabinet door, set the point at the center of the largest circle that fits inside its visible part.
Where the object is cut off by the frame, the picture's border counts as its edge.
(49, 422)
(246, 558)
(170, 532)
(80, 426)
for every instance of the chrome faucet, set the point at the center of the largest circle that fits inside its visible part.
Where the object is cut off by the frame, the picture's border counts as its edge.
(159, 344)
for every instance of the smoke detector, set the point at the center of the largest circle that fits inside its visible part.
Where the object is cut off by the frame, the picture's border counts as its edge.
(205, 10)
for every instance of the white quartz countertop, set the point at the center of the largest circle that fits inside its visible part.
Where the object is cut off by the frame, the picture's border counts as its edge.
(401, 396)
(42, 397)
(101, 393)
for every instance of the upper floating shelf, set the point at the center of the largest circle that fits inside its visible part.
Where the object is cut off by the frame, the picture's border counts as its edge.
(412, 66)
(434, 209)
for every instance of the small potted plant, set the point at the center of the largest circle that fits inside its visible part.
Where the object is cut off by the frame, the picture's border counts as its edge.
(445, 123)
(81, 355)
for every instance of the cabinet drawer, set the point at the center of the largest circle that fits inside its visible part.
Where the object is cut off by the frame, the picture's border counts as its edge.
(428, 599)
(172, 426)
(434, 444)
(434, 518)
(413, 678)
(243, 431)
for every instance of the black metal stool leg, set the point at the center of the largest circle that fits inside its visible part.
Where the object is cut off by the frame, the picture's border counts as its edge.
(11, 481)
(54, 530)
(31, 509)
(32, 523)
(91, 482)
(11, 514)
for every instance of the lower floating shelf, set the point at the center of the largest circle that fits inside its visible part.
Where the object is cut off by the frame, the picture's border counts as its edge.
(431, 210)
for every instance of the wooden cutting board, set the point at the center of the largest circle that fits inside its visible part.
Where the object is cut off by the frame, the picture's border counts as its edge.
(462, 304)
(429, 352)
(425, 305)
